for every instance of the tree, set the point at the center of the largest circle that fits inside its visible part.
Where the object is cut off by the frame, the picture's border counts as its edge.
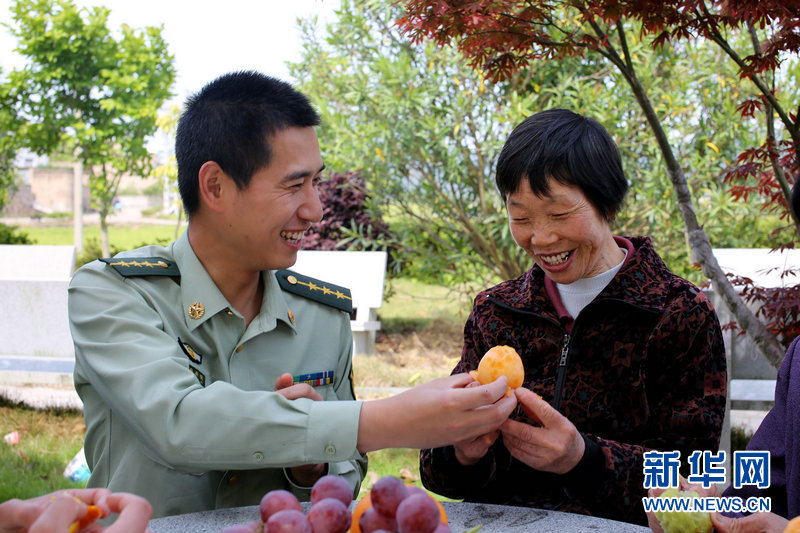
(422, 130)
(359, 72)
(167, 170)
(500, 36)
(95, 91)
(9, 144)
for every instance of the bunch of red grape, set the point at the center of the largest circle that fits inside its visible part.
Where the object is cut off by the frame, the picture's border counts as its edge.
(281, 511)
(391, 507)
(400, 508)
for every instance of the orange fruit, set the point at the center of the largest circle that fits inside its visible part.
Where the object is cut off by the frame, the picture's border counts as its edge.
(501, 361)
(92, 513)
(793, 526)
(365, 503)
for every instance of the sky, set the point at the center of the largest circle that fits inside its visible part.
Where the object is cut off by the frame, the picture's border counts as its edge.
(207, 38)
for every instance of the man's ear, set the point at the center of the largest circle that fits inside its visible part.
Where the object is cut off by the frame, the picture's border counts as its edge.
(212, 182)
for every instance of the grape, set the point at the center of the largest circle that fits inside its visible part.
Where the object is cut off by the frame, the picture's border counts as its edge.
(417, 514)
(678, 522)
(278, 500)
(372, 521)
(386, 495)
(329, 516)
(331, 486)
(442, 528)
(287, 521)
(414, 489)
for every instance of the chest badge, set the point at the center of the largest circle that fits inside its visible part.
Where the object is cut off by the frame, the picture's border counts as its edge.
(196, 310)
(315, 379)
(190, 352)
(291, 316)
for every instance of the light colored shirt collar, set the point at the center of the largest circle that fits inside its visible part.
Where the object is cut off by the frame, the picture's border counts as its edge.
(198, 286)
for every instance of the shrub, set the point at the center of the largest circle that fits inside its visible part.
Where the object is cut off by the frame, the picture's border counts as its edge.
(345, 211)
(11, 235)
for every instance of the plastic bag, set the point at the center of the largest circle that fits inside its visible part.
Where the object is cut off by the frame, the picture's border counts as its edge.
(77, 470)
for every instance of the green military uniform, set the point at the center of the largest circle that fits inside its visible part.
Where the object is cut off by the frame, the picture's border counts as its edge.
(178, 394)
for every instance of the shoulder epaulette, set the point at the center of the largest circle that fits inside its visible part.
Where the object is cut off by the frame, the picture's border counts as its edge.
(142, 266)
(314, 289)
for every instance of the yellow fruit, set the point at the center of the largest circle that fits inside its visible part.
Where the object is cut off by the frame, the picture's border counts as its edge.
(793, 526)
(501, 361)
(683, 522)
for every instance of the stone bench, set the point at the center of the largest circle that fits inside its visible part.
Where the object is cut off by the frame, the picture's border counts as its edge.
(33, 296)
(364, 273)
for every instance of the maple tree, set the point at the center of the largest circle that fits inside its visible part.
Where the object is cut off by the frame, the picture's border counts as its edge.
(501, 37)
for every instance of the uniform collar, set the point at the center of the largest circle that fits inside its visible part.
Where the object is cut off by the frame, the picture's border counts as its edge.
(198, 290)
(274, 306)
(197, 287)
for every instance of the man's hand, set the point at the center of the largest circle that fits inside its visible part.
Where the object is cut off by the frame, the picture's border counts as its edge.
(437, 413)
(555, 447)
(307, 475)
(292, 391)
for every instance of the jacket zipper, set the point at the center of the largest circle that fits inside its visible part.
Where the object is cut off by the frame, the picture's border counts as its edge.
(563, 362)
(561, 373)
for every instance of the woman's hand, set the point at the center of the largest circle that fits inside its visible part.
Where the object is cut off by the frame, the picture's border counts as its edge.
(471, 451)
(60, 511)
(755, 523)
(134, 513)
(555, 447)
(683, 485)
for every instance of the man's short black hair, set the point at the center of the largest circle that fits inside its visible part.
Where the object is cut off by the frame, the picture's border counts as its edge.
(569, 148)
(230, 122)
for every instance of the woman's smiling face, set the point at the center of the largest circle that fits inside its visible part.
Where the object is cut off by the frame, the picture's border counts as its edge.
(562, 231)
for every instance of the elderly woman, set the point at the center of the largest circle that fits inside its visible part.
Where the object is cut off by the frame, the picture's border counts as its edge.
(626, 356)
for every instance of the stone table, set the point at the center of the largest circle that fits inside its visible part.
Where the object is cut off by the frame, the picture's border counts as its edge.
(461, 516)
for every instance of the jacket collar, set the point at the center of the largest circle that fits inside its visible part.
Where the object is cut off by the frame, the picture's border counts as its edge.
(642, 281)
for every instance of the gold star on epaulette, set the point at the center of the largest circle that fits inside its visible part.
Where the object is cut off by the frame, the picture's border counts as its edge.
(325, 293)
(143, 266)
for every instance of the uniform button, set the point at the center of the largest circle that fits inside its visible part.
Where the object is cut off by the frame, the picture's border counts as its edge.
(330, 449)
(258, 456)
(239, 348)
(233, 480)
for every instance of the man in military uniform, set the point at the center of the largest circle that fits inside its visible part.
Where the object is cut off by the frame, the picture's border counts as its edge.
(209, 373)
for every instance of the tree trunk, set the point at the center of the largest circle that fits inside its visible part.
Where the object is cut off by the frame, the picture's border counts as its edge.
(104, 247)
(699, 241)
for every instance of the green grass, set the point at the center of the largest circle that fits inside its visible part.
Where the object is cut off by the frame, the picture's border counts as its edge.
(48, 441)
(412, 305)
(121, 237)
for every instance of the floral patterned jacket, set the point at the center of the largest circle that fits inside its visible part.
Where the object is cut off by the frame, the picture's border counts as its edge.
(641, 368)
